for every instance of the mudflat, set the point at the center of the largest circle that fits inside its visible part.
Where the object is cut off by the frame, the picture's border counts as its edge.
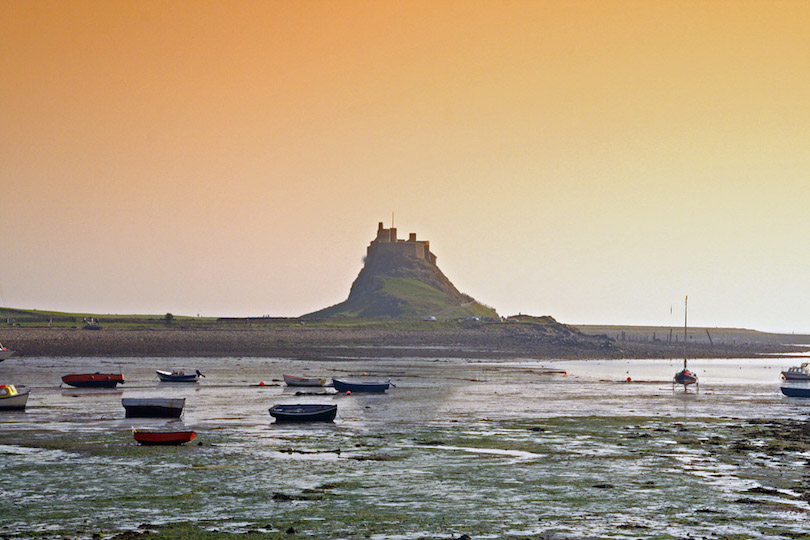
(334, 342)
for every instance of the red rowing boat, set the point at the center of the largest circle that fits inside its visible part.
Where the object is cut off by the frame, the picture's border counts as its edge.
(93, 380)
(163, 437)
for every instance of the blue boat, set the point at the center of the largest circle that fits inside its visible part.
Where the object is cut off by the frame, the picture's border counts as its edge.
(793, 391)
(346, 386)
(304, 412)
(178, 376)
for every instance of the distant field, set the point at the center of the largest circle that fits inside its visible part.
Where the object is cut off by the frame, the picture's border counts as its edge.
(35, 317)
(640, 334)
(696, 335)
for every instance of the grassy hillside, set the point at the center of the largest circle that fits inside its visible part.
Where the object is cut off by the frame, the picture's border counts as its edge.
(402, 287)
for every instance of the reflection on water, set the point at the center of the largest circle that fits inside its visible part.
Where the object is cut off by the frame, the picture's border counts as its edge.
(490, 449)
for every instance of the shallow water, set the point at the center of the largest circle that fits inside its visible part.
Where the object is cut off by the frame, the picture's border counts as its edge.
(491, 449)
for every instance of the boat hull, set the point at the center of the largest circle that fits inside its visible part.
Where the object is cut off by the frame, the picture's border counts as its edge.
(163, 438)
(153, 407)
(345, 386)
(304, 413)
(94, 380)
(6, 353)
(792, 391)
(685, 378)
(292, 380)
(795, 376)
(168, 376)
(15, 402)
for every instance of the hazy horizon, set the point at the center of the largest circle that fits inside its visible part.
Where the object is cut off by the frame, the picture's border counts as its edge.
(591, 161)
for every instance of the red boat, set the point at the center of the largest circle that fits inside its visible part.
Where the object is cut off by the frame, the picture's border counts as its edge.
(93, 380)
(163, 437)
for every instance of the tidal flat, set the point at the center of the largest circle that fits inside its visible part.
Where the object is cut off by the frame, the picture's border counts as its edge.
(488, 449)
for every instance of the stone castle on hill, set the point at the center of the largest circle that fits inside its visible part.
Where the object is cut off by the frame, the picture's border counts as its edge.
(400, 280)
(387, 244)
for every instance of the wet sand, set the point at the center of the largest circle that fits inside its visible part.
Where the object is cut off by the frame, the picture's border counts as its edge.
(334, 343)
(488, 449)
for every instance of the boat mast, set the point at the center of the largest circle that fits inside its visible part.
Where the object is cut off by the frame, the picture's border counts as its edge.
(685, 299)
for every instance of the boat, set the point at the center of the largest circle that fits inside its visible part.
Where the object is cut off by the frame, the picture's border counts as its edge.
(166, 438)
(797, 373)
(5, 353)
(304, 412)
(11, 398)
(685, 377)
(793, 391)
(346, 386)
(153, 407)
(93, 380)
(292, 380)
(178, 376)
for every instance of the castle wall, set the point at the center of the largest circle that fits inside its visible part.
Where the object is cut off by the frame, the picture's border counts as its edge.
(387, 242)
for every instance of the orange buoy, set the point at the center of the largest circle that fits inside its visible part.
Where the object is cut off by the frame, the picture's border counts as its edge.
(261, 383)
(348, 392)
(629, 379)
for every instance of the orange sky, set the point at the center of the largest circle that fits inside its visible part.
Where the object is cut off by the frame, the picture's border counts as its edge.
(595, 161)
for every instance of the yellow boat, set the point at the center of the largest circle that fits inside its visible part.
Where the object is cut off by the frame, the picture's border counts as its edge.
(11, 398)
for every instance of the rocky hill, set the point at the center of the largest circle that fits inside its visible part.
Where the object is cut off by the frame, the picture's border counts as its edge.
(400, 280)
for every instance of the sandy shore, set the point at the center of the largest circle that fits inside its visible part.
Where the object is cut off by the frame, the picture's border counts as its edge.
(482, 341)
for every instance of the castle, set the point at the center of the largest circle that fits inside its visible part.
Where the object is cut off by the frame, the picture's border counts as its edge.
(387, 244)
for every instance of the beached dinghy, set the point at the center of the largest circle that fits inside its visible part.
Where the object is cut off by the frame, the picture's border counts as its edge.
(178, 376)
(304, 412)
(153, 407)
(93, 380)
(166, 438)
(11, 398)
(292, 380)
(346, 386)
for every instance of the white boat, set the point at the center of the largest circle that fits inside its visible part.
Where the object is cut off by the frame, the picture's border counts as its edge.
(153, 407)
(797, 373)
(11, 398)
(292, 380)
(178, 375)
(5, 353)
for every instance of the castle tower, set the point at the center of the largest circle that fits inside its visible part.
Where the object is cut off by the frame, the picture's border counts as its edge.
(387, 243)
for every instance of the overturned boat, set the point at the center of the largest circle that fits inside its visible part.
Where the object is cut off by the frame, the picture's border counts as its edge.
(93, 380)
(304, 412)
(292, 380)
(346, 386)
(153, 407)
(165, 438)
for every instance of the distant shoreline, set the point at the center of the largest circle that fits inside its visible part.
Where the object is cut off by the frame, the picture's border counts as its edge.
(493, 341)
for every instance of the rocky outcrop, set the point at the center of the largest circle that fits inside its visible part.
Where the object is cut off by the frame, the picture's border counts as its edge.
(399, 282)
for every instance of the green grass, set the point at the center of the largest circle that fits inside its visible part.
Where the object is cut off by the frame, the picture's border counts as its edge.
(424, 300)
(696, 334)
(62, 319)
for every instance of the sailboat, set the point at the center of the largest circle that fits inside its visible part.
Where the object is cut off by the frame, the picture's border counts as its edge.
(685, 377)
